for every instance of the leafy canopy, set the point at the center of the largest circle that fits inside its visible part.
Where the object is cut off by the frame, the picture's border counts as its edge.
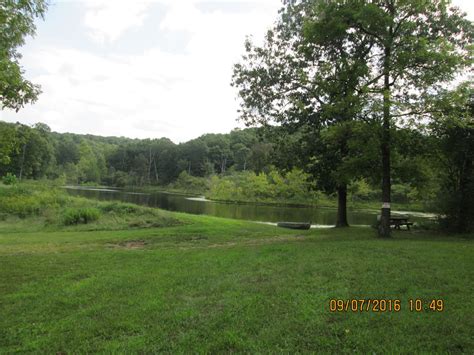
(16, 23)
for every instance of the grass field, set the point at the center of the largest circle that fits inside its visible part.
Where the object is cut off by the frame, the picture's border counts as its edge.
(216, 285)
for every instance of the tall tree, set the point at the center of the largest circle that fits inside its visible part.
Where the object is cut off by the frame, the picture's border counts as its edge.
(8, 144)
(194, 154)
(415, 45)
(16, 23)
(241, 155)
(305, 75)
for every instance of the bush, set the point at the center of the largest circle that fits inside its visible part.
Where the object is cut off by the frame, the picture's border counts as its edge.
(456, 215)
(18, 201)
(118, 207)
(360, 190)
(293, 187)
(80, 215)
(427, 225)
(9, 179)
(455, 131)
(191, 184)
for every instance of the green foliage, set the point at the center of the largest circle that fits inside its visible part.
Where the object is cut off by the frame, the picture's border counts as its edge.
(194, 154)
(128, 163)
(91, 165)
(454, 127)
(330, 63)
(25, 151)
(294, 187)
(16, 23)
(80, 215)
(8, 143)
(360, 190)
(191, 184)
(9, 179)
(118, 207)
(23, 201)
(44, 204)
(21, 205)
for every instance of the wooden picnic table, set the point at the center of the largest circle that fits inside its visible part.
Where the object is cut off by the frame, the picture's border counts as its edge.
(397, 221)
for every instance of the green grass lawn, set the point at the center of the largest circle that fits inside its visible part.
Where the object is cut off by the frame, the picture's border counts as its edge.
(217, 285)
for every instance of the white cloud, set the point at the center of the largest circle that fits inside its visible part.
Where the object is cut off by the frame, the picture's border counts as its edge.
(150, 94)
(107, 20)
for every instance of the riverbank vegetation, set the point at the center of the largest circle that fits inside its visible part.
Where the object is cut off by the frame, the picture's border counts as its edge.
(292, 188)
(250, 165)
(38, 205)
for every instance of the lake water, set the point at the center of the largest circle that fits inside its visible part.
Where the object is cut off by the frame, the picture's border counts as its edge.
(264, 213)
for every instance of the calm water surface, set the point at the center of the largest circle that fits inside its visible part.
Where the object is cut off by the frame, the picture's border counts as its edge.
(252, 212)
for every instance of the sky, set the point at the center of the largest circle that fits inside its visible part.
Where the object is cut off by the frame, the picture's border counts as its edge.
(144, 68)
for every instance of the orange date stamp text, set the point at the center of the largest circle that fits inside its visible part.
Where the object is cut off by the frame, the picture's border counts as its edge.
(385, 305)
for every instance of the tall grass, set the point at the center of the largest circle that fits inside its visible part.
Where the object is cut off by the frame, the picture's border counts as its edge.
(23, 200)
(51, 206)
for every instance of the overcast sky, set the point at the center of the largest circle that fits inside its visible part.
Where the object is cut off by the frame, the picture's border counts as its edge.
(142, 69)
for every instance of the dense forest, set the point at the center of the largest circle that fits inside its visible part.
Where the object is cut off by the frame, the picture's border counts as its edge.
(36, 152)
(253, 164)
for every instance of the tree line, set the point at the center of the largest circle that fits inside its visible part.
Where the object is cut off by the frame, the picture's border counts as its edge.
(35, 152)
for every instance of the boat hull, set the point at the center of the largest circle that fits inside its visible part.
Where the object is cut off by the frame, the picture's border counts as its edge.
(294, 225)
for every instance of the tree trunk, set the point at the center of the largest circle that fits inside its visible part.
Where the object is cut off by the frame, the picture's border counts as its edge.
(342, 206)
(149, 166)
(223, 163)
(22, 161)
(465, 196)
(384, 226)
(156, 170)
(342, 187)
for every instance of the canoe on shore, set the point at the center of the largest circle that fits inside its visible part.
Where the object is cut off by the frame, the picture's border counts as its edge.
(294, 225)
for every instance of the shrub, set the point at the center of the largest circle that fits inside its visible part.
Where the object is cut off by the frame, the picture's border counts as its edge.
(80, 215)
(20, 205)
(71, 216)
(360, 190)
(456, 196)
(264, 187)
(193, 184)
(9, 179)
(118, 207)
(429, 225)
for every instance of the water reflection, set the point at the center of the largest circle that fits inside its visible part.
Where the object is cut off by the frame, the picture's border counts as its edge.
(264, 213)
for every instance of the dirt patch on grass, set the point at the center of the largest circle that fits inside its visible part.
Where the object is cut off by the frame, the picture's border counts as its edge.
(129, 244)
(188, 242)
(257, 241)
(135, 244)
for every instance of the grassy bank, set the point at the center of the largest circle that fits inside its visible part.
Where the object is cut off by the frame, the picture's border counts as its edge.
(205, 284)
(35, 206)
